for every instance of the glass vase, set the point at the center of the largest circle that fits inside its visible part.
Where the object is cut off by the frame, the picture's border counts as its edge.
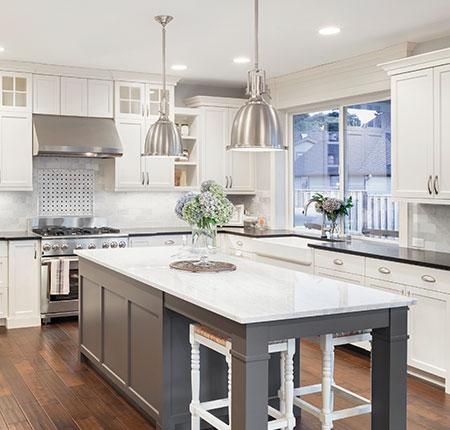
(204, 243)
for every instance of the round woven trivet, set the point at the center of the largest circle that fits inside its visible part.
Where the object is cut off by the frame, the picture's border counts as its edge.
(214, 266)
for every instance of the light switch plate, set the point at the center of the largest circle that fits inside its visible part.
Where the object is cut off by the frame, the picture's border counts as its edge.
(418, 242)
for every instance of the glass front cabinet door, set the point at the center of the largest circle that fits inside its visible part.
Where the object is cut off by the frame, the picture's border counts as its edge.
(15, 91)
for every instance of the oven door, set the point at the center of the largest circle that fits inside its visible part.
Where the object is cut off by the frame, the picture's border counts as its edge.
(64, 304)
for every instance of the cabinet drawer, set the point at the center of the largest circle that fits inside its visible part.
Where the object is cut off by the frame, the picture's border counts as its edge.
(339, 262)
(417, 276)
(161, 240)
(3, 302)
(240, 243)
(352, 278)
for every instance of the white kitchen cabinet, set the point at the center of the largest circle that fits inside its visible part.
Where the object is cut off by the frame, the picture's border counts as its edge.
(412, 134)
(16, 164)
(234, 170)
(342, 267)
(23, 285)
(3, 279)
(130, 100)
(159, 172)
(159, 240)
(420, 90)
(100, 98)
(129, 170)
(47, 94)
(442, 132)
(74, 95)
(15, 92)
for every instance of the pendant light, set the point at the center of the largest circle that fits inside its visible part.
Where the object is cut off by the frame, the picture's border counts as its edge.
(256, 126)
(163, 138)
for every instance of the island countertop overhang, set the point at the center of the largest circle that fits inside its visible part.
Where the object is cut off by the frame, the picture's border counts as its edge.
(254, 293)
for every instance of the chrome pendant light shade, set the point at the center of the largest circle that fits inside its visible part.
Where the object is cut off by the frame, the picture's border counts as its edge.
(256, 126)
(163, 138)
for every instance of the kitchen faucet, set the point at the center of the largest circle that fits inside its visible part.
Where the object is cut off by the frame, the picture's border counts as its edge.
(322, 227)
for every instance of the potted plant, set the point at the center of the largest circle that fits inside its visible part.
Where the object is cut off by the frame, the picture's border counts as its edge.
(332, 208)
(204, 211)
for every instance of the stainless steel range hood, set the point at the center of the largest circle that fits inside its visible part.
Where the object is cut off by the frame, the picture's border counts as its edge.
(70, 136)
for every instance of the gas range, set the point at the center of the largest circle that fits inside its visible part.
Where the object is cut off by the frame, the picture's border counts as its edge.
(62, 236)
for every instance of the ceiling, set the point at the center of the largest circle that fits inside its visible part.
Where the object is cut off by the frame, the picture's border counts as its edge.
(207, 34)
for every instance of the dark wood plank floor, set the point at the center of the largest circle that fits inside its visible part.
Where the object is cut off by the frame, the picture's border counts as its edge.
(44, 386)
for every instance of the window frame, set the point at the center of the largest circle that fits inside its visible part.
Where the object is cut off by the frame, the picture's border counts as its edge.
(338, 105)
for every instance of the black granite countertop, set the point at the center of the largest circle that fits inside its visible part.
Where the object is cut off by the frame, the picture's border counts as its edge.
(389, 252)
(18, 235)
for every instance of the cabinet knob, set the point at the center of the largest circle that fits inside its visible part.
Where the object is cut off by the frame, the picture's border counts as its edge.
(338, 262)
(169, 242)
(239, 243)
(428, 278)
(384, 270)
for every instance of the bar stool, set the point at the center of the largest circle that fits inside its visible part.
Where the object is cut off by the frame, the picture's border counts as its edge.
(282, 418)
(327, 415)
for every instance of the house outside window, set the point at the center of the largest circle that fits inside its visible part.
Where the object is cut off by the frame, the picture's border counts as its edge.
(365, 174)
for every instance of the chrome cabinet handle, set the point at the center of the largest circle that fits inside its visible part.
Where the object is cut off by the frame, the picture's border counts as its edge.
(338, 262)
(142, 110)
(226, 184)
(384, 270)
(231, 182)
(148, 178)
(239, 243)
(148, 110)
(436, 184)
(430, 191)
(143, 178)
(428, 278)
(169, 242)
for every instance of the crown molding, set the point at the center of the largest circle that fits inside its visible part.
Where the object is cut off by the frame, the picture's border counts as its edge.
(211, 101)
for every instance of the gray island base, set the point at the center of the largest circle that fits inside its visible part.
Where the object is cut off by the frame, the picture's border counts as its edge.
(134, 320)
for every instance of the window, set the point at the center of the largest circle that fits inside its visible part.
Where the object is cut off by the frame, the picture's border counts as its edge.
(366, 171)
(316, 161)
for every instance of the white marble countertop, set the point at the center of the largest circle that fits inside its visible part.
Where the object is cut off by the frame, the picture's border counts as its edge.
(255, 292)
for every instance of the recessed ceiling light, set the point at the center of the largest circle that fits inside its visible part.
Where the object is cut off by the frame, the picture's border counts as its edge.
(241, 60)
(2, 49)
(179, 67)
(329, 31)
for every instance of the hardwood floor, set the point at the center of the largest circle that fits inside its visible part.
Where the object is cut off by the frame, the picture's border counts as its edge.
(44, 386)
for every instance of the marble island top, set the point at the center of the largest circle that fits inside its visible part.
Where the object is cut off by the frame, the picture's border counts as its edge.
(255, 292)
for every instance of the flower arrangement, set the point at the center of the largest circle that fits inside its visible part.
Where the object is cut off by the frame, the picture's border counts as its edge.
(332, 208)
(208, 208)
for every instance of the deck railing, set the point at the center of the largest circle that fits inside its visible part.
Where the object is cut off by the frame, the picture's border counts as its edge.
(371, 213)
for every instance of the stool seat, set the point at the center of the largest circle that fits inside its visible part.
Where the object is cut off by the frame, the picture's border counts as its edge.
(282, 418)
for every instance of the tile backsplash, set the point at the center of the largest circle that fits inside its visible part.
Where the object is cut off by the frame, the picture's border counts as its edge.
(431, 223)
(121, 209)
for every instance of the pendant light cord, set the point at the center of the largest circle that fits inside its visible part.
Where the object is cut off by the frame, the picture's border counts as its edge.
(163, 99)
(256, 34)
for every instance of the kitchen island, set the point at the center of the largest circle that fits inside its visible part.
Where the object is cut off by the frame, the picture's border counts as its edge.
(135, 313)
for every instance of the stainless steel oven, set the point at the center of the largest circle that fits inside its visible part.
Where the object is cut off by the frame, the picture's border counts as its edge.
(59, 305)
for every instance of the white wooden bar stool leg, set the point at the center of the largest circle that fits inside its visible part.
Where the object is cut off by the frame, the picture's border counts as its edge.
(195, 383)
(282, 392)
(289, 384)
(326, 344)
(228, 360)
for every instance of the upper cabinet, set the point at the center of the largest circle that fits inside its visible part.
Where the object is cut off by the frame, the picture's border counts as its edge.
(100, 98)
(15, 92)
(74, 96)
(420, 90)
(234, 170)
(55, 95)
(47, 94)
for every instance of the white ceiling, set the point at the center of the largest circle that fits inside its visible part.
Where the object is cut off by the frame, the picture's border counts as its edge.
(207, 34)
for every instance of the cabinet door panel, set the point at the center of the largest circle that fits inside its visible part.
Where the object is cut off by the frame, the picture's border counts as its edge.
(428, 345)
(215, 136)
(15, 92)
(73, 96)
(100, 98)
(90, 313)
(16, 164)
(412, 134)
(240, 165)
(115, 339)
(130, 100)
(145, 348)
(442, 131)
(47, 94)
(24, 285)
(130, 167)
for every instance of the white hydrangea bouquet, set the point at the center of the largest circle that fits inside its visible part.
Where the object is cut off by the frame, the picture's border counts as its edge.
(204, 211)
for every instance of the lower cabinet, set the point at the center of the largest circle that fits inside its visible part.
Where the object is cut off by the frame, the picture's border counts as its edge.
(23, 284)
(121, 333)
